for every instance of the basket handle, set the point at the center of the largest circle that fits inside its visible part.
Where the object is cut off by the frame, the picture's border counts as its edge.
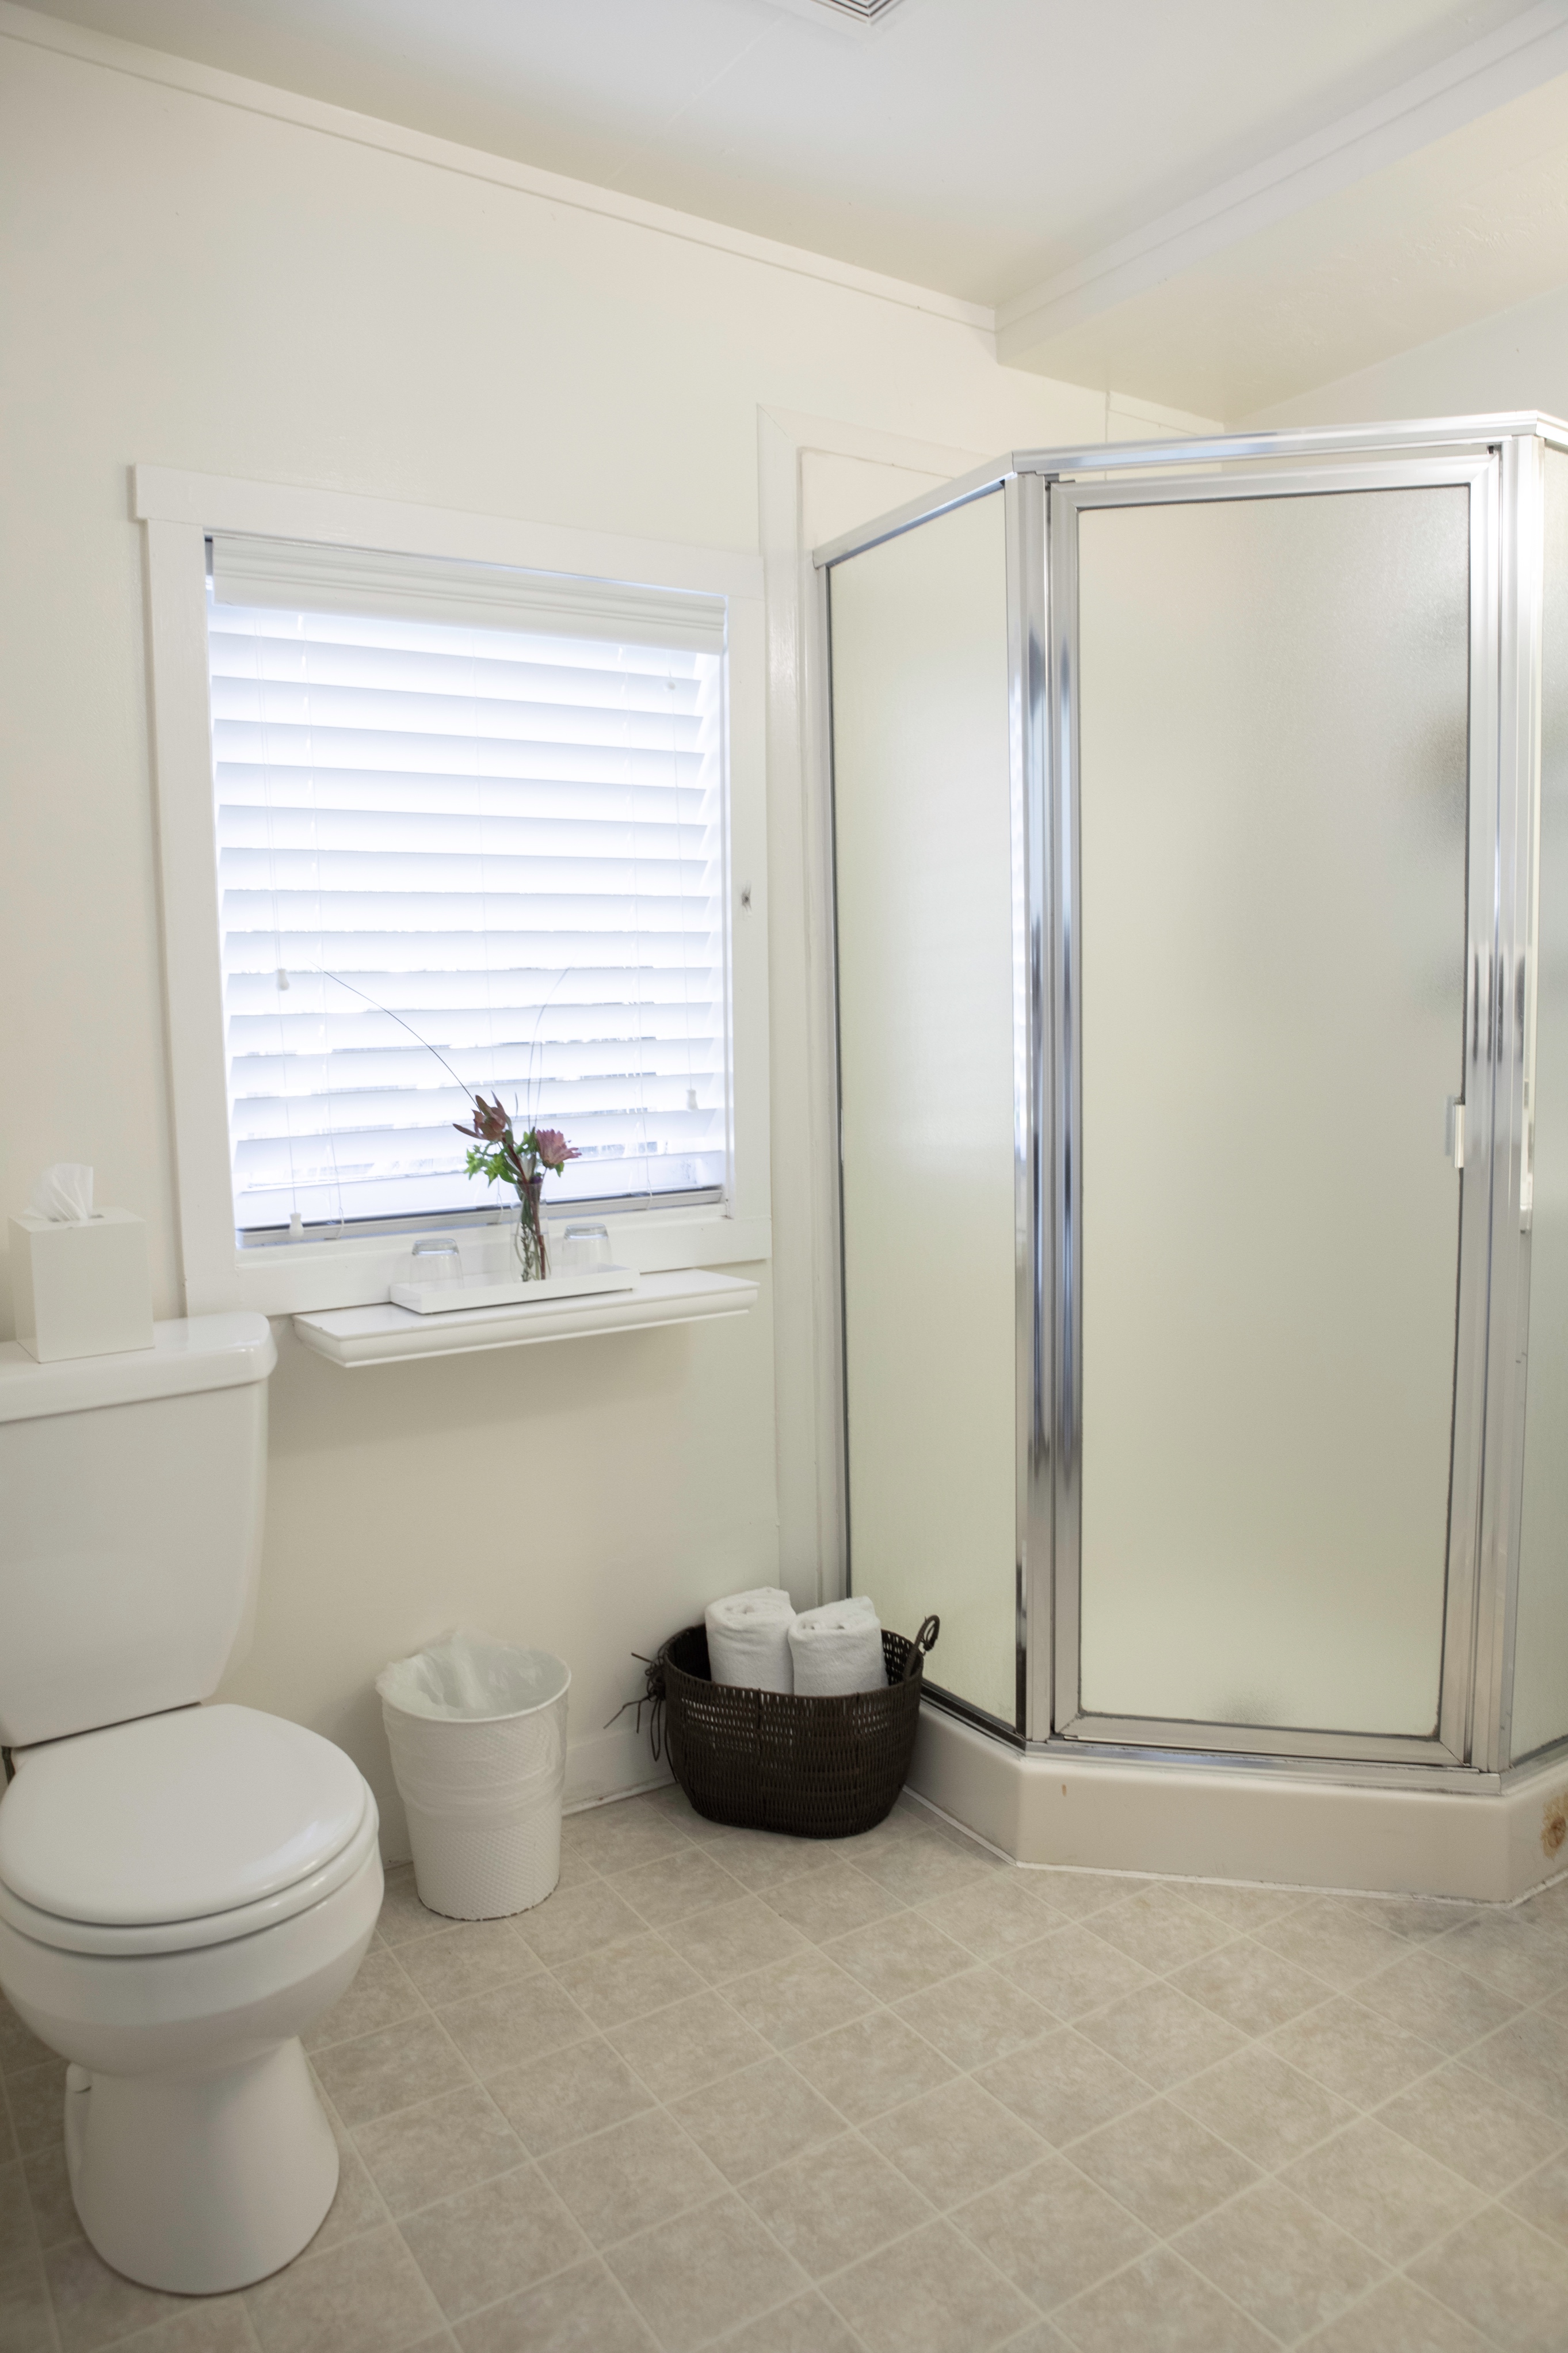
(924, 1640)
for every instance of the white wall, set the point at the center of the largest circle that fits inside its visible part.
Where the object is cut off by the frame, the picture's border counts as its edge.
(197, 280)
(1515, 359)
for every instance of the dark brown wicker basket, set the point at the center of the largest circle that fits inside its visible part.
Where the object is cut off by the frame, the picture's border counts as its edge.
(768, 1761)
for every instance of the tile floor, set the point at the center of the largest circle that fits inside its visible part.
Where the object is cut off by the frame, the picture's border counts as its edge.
(893, 2096)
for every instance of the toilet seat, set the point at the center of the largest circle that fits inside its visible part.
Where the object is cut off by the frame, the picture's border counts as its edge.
(178, 1831)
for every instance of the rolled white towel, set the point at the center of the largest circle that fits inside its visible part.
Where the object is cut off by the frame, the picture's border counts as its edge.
(837, 1649)
(748, 1640)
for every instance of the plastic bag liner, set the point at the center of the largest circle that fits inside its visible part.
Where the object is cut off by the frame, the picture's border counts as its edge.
(477, 1733)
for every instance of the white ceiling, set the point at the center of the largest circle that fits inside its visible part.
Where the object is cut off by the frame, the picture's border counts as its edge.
(985, 148)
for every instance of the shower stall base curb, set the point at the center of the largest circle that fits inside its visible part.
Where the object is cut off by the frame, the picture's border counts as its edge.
(1489, 1844)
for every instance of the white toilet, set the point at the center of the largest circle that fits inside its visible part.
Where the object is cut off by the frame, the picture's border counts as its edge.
(183, 1889)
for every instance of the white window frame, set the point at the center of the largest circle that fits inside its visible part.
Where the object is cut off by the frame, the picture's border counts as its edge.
(177, 511)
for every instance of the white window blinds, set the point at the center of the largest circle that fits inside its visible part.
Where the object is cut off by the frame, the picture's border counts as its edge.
(489, 805)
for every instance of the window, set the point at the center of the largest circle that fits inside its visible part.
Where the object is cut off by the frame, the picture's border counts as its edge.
(470, 835)
(448, 801)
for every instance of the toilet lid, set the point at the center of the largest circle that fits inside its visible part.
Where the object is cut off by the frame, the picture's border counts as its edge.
(175, 1816)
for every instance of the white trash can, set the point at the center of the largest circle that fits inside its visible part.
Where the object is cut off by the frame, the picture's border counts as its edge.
(477, 1733)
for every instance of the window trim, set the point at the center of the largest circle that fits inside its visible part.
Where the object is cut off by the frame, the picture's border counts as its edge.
(176, 511)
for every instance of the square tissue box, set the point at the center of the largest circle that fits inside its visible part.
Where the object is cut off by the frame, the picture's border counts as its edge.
(82, 1288)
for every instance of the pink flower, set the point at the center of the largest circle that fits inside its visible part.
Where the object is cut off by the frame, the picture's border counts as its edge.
(553, 1149)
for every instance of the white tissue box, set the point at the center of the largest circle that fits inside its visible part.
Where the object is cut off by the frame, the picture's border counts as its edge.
(81, 1290)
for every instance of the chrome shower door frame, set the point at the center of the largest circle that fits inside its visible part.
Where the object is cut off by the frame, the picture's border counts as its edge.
(1475, 1590)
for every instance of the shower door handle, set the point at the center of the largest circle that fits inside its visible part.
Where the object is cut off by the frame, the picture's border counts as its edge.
(1454, 1145)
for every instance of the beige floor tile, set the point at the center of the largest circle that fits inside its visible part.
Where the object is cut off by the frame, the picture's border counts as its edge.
(832, 2206)
(396, 2067)
(55, 2217)
(1268, 2110)
(1466, 2122)
(1077, 1894)
(577, 1920)
(1249, 1987)
(706, 2272)
(1528, 2059)
(1353, 2051)
(1504, 2278)
(1238, 1908)
(989, 1918)
(403, 1917)
(459, 1962)
(36, 2098)
(1162, 2036)
(366, 2296)
(425, 2153)
(9, 2151)
(917, 1870)
(764, 1859)
(675, 1885)
(382, 1994)
(19, 2241)
(627, 1979)
(871, 2065)
(1281, 2261)
(732, 1939)
(1053, 2232)
(904, 1952)
(956, 2142)
(618, 1837)
(1159, 2306)
(1393, 2197)
(630, 2177)
(1396, 2318)
(1164, 2166)
(831, 1902)
(216, 2324)
(19, 2046)
(1063, 2087)
(1542, 2198)
(1419, 1917)
(1073, 1971)
(694, 2041)
(798, 1997)
(93, 2304)
(931, 2292)
(584, 2310)
(514, 2023)
(357, 2204)
(570, 2093)
(749, 2123)
(1043, 2336)
(493, 2241)
(1160, 1930)
(1504, 1950)
(1429, 1997)
(25, 2325)
(977, 2018)
(1337, 1942)
(804, 2325)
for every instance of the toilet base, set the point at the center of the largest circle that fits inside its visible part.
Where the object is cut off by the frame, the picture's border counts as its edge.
(201, 2183)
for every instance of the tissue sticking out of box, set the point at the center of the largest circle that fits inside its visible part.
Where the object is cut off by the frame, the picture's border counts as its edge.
(63, 1193)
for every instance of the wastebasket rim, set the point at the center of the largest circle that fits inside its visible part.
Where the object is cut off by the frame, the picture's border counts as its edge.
(506, 1715)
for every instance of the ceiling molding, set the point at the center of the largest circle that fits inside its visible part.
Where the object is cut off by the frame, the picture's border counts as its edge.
(224, 88)
(1475, 81)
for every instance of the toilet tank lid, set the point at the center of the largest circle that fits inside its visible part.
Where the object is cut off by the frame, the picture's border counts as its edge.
(199, 1352)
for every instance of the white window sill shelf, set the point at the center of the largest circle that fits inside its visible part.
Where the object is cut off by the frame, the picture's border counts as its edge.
(392, 1336)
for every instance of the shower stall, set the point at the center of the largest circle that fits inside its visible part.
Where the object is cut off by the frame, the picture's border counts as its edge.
(1200, 869)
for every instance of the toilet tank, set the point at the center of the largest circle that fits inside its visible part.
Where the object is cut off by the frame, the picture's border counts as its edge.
(131, 1489)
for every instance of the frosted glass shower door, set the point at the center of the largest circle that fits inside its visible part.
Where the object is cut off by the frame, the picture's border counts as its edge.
(1272, 749)
(925, 929)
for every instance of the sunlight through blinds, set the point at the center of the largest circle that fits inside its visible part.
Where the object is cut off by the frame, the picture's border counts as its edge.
(507, 838)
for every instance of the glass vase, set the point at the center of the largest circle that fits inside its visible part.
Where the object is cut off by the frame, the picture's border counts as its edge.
(527, 1234)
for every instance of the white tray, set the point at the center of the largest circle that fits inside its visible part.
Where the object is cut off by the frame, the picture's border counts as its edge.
(448, 1298)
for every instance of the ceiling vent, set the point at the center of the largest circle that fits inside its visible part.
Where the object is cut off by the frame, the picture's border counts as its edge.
(861, 11)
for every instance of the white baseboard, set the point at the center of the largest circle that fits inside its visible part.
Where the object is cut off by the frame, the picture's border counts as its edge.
(612, 1764)
(1215, 1823)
